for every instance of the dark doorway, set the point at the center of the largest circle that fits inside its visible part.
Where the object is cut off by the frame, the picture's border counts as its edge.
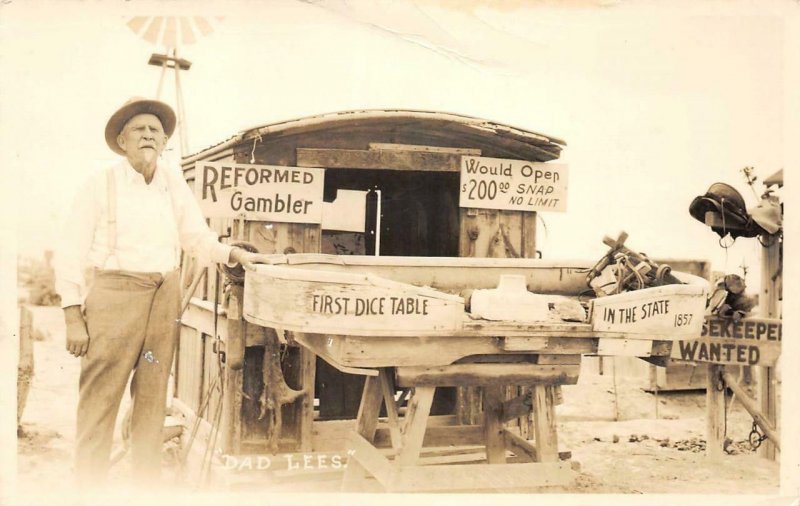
(419, 217)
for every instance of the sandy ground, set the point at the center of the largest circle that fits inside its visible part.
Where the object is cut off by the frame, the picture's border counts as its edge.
(637, 454)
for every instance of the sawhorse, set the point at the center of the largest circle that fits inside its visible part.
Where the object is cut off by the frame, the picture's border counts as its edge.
(402, 468)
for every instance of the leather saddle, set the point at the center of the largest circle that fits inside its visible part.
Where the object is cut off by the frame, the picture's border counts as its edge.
(725, 200)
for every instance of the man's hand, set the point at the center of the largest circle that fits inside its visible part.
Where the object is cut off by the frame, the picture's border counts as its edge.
(247, 259)
(77, 335)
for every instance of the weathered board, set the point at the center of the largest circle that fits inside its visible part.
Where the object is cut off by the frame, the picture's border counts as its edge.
(260, 192)
(514, 185)
(673, 311)
(454, 274)
(751, 341)
(624, 347)
(344, 303)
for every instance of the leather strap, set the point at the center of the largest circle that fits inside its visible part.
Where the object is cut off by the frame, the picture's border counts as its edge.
(111, 196)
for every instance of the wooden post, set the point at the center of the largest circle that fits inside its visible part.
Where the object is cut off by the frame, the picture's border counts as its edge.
(715, 412)
(233, 376)
(308, 372)
(493, 424)
(768, 308)
(544, 423)
(25, 366)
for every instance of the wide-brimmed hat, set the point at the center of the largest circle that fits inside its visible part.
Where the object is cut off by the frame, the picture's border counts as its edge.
(134, 106)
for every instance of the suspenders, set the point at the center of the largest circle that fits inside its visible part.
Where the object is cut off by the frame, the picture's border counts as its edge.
(111, 196)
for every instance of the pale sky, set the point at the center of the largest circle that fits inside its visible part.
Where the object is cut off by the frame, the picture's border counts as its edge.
(654, 104)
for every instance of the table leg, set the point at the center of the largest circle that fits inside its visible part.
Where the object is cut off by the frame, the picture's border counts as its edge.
(493, 424)
(416, 421)
(387, 387)
(544, 417)
(366, 425)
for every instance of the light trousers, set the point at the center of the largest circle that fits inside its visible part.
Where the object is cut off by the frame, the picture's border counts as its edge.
(132, 323)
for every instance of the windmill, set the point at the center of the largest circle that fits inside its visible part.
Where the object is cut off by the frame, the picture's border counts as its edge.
(172, 32)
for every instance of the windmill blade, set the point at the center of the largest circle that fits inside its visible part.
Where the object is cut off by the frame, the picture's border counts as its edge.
(153, 31)
(187, 32)
(172, 31)
(170, 37)
(136, 24)
(203, 25)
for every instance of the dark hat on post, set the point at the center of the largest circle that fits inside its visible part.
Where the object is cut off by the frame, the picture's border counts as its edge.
(134, 106)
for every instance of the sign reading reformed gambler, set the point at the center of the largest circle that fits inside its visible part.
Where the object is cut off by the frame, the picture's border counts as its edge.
(260, 192)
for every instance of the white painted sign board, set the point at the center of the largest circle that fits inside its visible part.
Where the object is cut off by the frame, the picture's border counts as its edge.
(260, 192)
(347, 213)
(513, 185)
(668, 312)
(326, 302)
(752, 341)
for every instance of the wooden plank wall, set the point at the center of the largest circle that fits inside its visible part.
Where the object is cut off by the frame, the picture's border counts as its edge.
(494, 234)
(189, 375)
(197, 361)
(271, 238)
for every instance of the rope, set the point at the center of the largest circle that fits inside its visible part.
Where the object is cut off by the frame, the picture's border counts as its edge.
(724, 230)
(544, 225)
(639, 278)
(256, 140)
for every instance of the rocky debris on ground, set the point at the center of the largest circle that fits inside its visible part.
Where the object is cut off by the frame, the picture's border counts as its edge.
(732, 447)
(694, 444)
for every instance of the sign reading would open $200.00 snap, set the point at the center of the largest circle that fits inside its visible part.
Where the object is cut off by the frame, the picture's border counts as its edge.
(513, 185)
(260, 192)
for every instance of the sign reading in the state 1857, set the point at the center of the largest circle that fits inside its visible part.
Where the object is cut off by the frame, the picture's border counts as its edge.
(514, 185)
(260, 192)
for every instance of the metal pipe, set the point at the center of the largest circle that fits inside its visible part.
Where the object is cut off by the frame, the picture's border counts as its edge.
(161, 80)
(378, 226)
(181, 112)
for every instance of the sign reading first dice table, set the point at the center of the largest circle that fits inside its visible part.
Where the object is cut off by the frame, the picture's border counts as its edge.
(328, 302)
(260, 192)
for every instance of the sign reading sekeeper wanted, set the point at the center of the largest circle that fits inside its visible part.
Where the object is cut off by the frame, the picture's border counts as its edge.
(260, 192)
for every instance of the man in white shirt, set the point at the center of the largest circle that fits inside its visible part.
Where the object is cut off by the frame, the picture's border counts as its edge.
(129, 223)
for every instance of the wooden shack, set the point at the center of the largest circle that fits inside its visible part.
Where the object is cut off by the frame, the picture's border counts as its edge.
(412, 160)
(274, 362)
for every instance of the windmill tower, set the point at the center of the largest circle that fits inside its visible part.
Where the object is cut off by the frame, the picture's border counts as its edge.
(172, 32)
